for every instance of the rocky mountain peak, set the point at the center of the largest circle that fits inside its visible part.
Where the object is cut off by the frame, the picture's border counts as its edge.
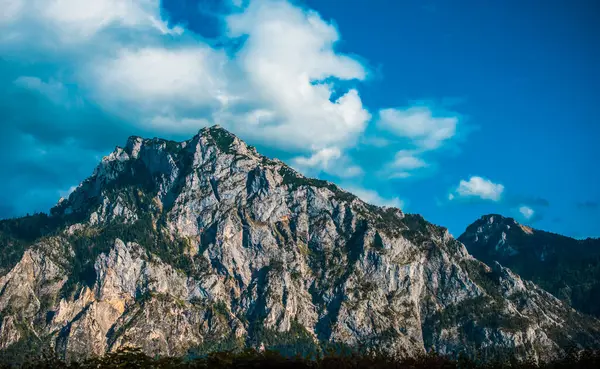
(165, 171)
(206, 244)
(565, 266)
(495, 230)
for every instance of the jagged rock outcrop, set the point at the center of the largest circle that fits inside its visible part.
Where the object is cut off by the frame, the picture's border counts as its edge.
(205, 245)
(566, 267)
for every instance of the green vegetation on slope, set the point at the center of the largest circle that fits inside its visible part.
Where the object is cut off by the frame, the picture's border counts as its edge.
(133, 358)
(566, 267)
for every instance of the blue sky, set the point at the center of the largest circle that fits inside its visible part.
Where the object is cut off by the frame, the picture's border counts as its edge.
(447, 109)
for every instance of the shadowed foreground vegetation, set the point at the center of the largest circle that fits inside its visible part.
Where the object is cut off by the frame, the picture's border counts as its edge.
(133, 358)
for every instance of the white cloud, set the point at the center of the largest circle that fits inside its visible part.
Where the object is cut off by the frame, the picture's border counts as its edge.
(322, 158)
(330, 160)
(286, 58)
(159, 80)
(419, 125)
(293, 41)
(75, 21)
(526, 212)
(404, 163)
(11, 10)
(478, 187)
(421, 130)
(406, 160)
(372, 197)
(278, 88)
(180, 126)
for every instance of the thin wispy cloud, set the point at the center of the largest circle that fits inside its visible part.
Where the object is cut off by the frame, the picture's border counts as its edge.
(421, 132)
(419, 125)
(373, 197)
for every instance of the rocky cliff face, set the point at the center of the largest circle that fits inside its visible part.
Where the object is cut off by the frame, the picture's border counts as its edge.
(206, 245)
(566, 267)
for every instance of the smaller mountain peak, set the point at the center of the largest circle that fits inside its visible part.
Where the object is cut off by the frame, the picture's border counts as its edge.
(498, 219)
(491, 218)
(496, 224)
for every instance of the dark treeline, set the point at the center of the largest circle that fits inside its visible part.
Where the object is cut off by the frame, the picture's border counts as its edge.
(132, 358)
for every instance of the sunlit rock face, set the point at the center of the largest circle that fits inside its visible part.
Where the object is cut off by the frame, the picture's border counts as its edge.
(207, 245)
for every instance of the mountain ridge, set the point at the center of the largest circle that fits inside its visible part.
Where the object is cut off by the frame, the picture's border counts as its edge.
(567, 267)
(232, 249)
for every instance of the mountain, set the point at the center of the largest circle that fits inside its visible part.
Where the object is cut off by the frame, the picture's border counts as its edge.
(566, 267)
(182, 248)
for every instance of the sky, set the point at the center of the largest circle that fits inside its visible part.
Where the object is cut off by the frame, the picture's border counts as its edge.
(449, 109)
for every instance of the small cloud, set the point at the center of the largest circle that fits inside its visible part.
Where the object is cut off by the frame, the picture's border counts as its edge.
(328, 160)
(477, 187)
(418, 124)
(423, 130)
(321, 158)
(526, 212)
(587, 205)
(407, 160)
(404, 162)
(373, 197)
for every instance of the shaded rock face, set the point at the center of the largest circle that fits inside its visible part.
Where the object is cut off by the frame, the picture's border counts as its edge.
(566, 267)
(206, 245)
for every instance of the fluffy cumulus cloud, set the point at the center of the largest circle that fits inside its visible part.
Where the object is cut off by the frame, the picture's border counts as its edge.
(276, 89)
(73, 23)
(526, 212)
(289, 61)
(98, 71)
(77, 77)
(280, 83)
(479, 188)
(161, 83)
(419, 129)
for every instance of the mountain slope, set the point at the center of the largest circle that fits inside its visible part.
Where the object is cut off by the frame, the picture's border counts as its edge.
(564, 266)
(205, 244)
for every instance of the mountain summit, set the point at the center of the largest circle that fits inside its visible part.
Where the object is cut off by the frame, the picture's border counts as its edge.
(204, 245)
(566, 267)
